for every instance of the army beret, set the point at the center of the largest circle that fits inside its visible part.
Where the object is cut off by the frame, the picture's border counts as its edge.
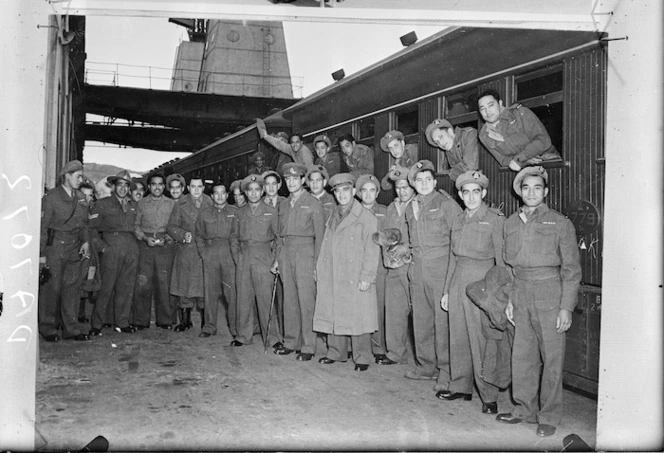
(249, 179)
(419, 167)
(387, 139)
(124, 174)
(341, 179)
(397, 173)
(364, 179)
(474, 176)
(235, 185)
(175, 177)
(71, 167)
(281, 134)
(265, 174)
(323, 138)
(293, 169)
(438, 123)
(529, 171)
(318, 169)
(139, 180)
(258, 154)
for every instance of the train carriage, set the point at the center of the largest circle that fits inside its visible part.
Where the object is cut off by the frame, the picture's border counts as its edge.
(560, 75)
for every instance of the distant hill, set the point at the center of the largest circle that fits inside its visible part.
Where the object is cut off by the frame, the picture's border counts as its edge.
(96, 172)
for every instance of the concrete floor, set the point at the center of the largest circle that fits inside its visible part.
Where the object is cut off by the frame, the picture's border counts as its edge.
(161, 390)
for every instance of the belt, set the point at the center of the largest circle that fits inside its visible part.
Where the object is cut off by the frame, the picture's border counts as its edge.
(158, 234)
(298, 240)
(537, 273)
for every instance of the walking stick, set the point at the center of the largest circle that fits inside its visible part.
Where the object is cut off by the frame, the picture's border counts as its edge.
(269, 316)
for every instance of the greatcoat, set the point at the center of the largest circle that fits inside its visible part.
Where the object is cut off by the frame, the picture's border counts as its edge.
(348, 255)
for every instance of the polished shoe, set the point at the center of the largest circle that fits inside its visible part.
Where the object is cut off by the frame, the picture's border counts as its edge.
(185, 320)
(508, 418)
(165, 326)
(378, 357)
(414, 374)
(208, 334)
(304, 356)
(277, 345)
(361, 367)
(79, 337)
(235, 343)
(128, 329)
(386, 361)
(442, 394)
(282, 350)
(326, 360)
(545, 430)
(490, 408)
(451, 396)
(51, 338)
(95, 332)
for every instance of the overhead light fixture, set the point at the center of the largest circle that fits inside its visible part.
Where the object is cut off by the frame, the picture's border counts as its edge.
(338, 75)
(408, 39)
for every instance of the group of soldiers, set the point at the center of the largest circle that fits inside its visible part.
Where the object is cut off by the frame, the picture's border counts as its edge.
(490, 298)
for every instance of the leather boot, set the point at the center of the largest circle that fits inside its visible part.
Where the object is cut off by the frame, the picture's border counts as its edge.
(185, 320)
(202, 318)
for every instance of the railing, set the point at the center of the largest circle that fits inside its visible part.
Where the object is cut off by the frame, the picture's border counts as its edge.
(157, 78)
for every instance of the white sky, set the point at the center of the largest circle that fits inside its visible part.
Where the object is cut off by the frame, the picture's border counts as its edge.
(315, 50)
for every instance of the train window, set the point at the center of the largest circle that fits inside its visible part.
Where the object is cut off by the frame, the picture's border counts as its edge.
(366, 127)
(408, 121)
(539, 83)
(462, 104)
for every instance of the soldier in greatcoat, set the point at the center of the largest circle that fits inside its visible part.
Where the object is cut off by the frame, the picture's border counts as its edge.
(346, 274)
(64, 242)
(187, 278)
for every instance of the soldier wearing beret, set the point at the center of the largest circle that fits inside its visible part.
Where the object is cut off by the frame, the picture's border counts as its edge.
(367, 188)
(258, 165)
(397, 285)
(359, 158)
(317, 178)
(429, 217)
(459, 144)
(239, 198)
(187, 276)
(301, 228)
(327, 159)
(175, 184)
(513, 135)
(252, 248)
(112, 221)
(296, 150)
(63, 243)
(541, 249)
(477, 245)
(345, 273)
(215, 225)
(155, 258)
(403, 155)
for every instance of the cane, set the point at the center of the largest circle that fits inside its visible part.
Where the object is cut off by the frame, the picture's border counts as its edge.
(269, 316)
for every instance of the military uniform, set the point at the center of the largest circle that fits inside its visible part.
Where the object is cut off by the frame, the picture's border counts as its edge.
(331, 162)
(328, 202)
(429, 221)
(114, 224)
(477, 245)
(361, 161)
(214, 227)
(378, 337)
(252, 248)
(464, 155)
(518, 135)
(187, 278)
(155, 264)
(542, 251)
(407, 160)
(303, 156)
(301, 229)
(67, 216)
(397, 289)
